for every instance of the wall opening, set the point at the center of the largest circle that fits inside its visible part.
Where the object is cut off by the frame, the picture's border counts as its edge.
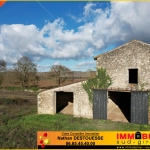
(120, 106)
(64, 102)
(133, 76)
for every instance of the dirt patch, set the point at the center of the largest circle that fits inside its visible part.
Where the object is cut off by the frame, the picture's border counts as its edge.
(68, 109)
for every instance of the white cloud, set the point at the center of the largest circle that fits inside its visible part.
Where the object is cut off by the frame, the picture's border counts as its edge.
(90, 51)
(86, 63)
(57, 63)
(75, 18)
(121, 22)
(84, 66)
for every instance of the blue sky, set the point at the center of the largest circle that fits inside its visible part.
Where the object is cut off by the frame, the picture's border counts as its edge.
(69, 33)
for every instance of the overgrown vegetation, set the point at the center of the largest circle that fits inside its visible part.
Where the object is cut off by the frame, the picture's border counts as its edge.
(142, 86)
(101, 81)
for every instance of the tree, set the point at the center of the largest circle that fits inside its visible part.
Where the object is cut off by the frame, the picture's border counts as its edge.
(2, 70)
(25, 71)
(101, 81)
(59, 73)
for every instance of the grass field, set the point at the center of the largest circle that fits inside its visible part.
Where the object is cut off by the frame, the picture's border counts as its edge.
(19, 121)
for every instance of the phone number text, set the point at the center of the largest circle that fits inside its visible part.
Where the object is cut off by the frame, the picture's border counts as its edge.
(80, 143)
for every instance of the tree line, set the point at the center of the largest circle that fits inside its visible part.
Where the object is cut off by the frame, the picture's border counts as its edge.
(25, 72)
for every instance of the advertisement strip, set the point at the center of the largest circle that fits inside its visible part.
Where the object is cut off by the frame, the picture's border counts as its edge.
(93, 139)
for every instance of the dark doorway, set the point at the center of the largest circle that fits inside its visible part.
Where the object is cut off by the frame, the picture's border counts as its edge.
(133, 76)
(63, 99)
(123, 100)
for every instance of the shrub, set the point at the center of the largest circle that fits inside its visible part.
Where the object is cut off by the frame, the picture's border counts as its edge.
(101, 81)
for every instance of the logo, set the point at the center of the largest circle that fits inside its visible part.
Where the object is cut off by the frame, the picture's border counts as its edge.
(137, 135)
(43, 140)
(136, 138)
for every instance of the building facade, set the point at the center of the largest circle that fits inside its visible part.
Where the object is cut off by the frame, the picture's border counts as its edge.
(128, 65)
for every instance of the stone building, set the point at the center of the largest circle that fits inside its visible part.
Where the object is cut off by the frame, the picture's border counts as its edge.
(69, 99)
(129, 65)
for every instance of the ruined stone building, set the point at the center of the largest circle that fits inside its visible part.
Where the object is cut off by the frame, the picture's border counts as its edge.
(128, 65)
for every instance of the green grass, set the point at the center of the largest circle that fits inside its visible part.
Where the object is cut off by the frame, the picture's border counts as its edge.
(20, 132)
(13, 88)
(19, 124)
(33, 88)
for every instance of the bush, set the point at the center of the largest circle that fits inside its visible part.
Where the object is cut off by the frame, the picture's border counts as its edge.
(101, 81)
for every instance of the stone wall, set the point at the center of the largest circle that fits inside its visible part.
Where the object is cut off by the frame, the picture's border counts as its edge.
(81, 105)
(134, 54)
